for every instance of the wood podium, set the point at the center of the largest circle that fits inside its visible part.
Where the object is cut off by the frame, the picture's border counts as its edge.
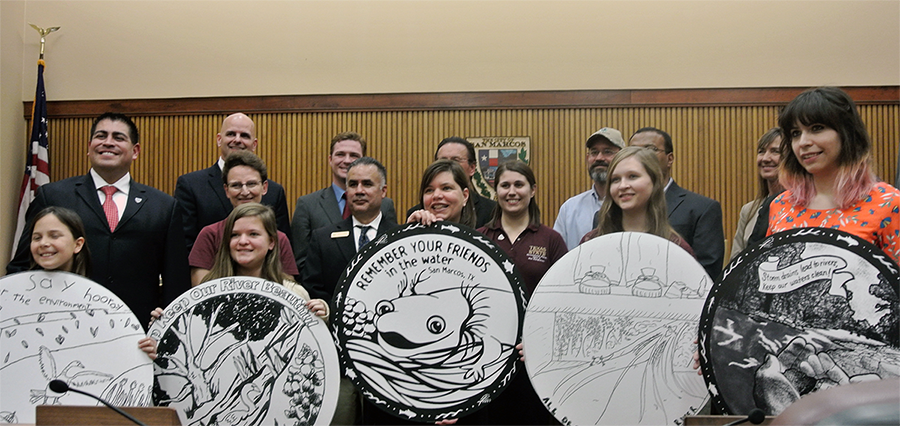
(72, 415)
(719, 420)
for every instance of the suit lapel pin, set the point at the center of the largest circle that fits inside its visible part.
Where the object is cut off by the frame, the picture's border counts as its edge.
(138, 200)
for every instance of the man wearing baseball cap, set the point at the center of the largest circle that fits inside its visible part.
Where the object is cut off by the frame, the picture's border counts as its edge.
(576, 216)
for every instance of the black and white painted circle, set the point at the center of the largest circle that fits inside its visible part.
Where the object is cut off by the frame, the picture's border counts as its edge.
(609, 332)
(247, 351)
(427, 319)
(57, 325)
(803, 310)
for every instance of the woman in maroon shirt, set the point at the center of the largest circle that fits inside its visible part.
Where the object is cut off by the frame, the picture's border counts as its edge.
(516, 228)
(516, 224)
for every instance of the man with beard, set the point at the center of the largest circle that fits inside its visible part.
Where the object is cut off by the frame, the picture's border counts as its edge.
(577, 216)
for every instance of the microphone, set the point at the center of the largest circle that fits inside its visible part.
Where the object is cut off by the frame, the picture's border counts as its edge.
(756, 416)
(60, 386)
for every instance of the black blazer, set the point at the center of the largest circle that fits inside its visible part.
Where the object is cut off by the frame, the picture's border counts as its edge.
(318, 210)
(761, 228)
(202, 201)
(699, 221)
(327, 257)
(148, 242)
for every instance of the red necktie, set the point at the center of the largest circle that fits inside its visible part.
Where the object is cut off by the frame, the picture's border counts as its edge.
(346, 212)
(109, 207)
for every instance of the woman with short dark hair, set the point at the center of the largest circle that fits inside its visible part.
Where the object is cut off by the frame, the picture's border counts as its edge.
(827, 173)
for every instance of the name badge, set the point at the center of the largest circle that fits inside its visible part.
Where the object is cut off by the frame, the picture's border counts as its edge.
(340, 234)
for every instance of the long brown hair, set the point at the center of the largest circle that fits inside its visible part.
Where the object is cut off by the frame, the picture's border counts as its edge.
(467, 215)
(534, 213)
(224, 265)
(610, 214)
(81, 261)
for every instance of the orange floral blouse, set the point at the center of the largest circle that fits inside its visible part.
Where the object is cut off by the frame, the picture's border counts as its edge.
(875, 219)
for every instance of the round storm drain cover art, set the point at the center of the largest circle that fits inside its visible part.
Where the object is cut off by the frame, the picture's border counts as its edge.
(62, 326)
(804, 310)
(609, 332)
(243, 350)
(427, 318)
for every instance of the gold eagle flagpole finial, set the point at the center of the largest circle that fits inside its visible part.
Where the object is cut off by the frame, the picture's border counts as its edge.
(43, 32)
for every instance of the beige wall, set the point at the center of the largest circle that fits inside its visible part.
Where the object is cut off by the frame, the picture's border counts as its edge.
(162, 49)
(159, 49)
(12, 126)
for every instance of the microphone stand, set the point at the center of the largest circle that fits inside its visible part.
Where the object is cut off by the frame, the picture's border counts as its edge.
(60, 386)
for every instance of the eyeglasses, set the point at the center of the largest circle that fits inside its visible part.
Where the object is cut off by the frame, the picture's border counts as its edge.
(237, 186)
(653, 148)
(460, 160)
(608, 152)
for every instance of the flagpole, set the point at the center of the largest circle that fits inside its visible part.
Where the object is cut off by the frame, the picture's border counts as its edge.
(37, 166)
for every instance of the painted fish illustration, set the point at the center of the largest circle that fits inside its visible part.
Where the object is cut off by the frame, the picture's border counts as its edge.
(433, 328)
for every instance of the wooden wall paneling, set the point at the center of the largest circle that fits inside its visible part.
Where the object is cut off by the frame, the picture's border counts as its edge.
(308, 140)
(273, 142)
(315, 153)
(299, 165)
(386, 143)
(714, 145)
(399, 149)
(882, 121)
(60, 140)
(68, 147)
(556, 164)
(738, 159)
(890, 139)
(732, 127)
(396, 148)
(454, 101)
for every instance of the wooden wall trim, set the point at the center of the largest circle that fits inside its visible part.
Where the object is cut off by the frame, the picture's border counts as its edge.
(452, 101)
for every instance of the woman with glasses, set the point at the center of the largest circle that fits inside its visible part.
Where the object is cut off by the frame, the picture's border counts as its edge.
(245, 179)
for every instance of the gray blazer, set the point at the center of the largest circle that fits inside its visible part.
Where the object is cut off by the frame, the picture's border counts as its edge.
(320, 209)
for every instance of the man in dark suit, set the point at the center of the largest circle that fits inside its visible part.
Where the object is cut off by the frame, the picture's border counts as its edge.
(332, 247)
(133, 231)
(328, 206)
(245, 179)
(696, 218)
(201, 198)
(463, 152)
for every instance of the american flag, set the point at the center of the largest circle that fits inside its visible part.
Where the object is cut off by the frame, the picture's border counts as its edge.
(37, 165)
